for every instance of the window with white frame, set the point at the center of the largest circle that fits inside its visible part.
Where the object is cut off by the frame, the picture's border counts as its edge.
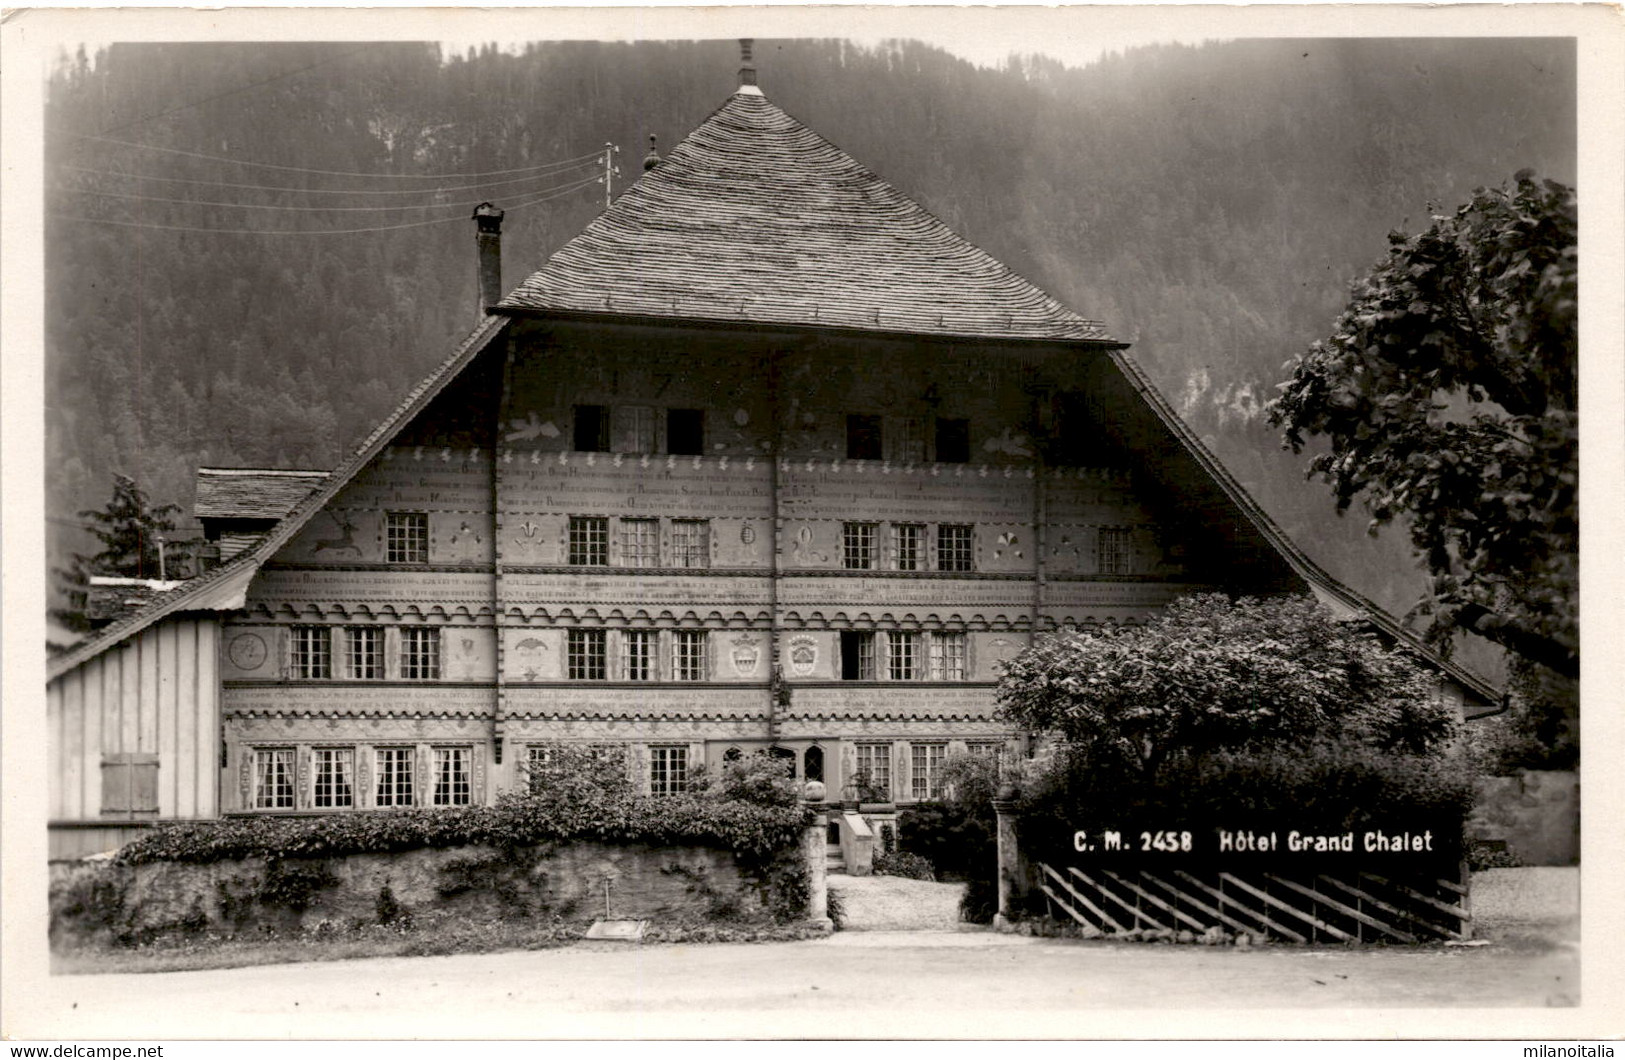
(911, 440)
(406, 537)
(635, 429)
(858, 546)
(668, 770)
(420, 654)
(538, 761)
(902, 655)
(1112, 553)
(857, 655)
(584, 655)
(312, 657)
(910, 546)
(874, 771)
(394, 769)
(690, 543)
(638, 655)
(688, 655)
(334, 770)
(453, 785)
(955, 547)
(984, 748)
(948, 657)
(589, 541)
(640, 542)
(364, 652)
(273, 779)
(925, 780)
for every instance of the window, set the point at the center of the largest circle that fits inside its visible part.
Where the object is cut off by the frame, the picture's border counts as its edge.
(335, 766)
(406, 537)
(591, 429)
(858, 546)
(364, 649)
(984, 748)
(857, 656)
(874, 772)
(954, 547)
(690, 543)
(911, 440)
(925, 780)
(1111, 556)
(640, 542)
(312, 652)
(953, 441)
(685, 431)
(948, 656)
(688, 655)
(584, 654)
(637, 655)
(394, 776)
(812, 763)
(863, 438)
(634, 429)
(129, 782)
(589, 540)
(910, 546)
(902, 656)
(420, 654)
(451, 776)
(668, 770)
(273, 779)
(538, 761)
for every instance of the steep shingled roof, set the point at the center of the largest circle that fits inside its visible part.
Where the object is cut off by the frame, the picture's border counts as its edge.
(251, 493)
(755, 218)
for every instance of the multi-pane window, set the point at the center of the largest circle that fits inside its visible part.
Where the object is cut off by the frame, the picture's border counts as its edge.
(685, 431)
(634, 429)
(925, 780)
(910, 546)
(911, 440)
(874, 770)
(668, 770)
(420, 654)
(1113, 551)
(858, 546)
(538, 760)
(690, 543)
(955, 549)
(948, 657)
(312, 652)
(584, 655)
(364, 652)
(452, 785)
(589, 540)
(984, 748)
(857, 655)
(394, 776)
(953, 441)
(406, 537)
(863, 438)
(591, 432)
(273, 779)
(902, 656)
(334, 777)
(688, 655)
(640, 542)
(637, 655)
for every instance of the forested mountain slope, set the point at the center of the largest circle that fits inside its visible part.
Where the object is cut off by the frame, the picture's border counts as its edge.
(1210, 203)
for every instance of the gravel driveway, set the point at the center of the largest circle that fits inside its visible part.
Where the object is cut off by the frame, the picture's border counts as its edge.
(892, 903)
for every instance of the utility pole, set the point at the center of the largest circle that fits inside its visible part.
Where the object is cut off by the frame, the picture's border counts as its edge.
(611, 171)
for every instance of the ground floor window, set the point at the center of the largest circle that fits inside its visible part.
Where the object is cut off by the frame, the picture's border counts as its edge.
(873, 775)
(668, 770)
(452, 784)
(394, 776)
(335, 766)
(273, 779)
(925, 781)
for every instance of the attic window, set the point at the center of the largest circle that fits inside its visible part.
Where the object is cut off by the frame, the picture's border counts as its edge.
(863, 437)
(685, 432)
(592, 428)
(953, 441)
(406, 536)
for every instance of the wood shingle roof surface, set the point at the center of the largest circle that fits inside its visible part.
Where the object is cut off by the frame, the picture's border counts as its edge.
(754, 218)
(251, 493)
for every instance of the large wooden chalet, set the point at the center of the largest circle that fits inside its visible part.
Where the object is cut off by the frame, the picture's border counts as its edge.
(765, 458)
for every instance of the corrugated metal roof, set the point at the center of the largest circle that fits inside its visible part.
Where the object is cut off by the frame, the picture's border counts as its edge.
(251, 493)
(755, 218)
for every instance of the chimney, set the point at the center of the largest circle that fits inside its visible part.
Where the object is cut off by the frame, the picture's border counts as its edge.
(488, 238)
(747, 71)
(652, 159)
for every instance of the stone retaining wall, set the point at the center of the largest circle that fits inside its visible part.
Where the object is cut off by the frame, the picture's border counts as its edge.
(1537, 815)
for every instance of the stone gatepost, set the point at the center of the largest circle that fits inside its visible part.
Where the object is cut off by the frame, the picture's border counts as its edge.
(1014, 882)
(814, 842)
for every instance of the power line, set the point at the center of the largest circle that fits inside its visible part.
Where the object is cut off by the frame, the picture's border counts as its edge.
(299, 209)
(313, 231)
(331, 172)
(560, 166)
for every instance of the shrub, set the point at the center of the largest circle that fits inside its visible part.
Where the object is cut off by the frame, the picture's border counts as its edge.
(292, 884)
(958, 835)
(909, 866)
(388, 908)
(835, 906)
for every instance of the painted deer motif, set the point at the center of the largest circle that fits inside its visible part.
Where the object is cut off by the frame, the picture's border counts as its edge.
(339, 544)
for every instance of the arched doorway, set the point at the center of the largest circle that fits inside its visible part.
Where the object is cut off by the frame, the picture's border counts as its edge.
(812, 764)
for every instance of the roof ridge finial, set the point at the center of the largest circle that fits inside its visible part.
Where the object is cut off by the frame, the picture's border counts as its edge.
(747, 70)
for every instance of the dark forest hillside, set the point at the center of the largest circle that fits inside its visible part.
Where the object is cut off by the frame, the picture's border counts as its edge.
(1210, 203)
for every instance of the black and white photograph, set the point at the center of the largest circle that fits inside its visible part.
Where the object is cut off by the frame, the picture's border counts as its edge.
(812, 523)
